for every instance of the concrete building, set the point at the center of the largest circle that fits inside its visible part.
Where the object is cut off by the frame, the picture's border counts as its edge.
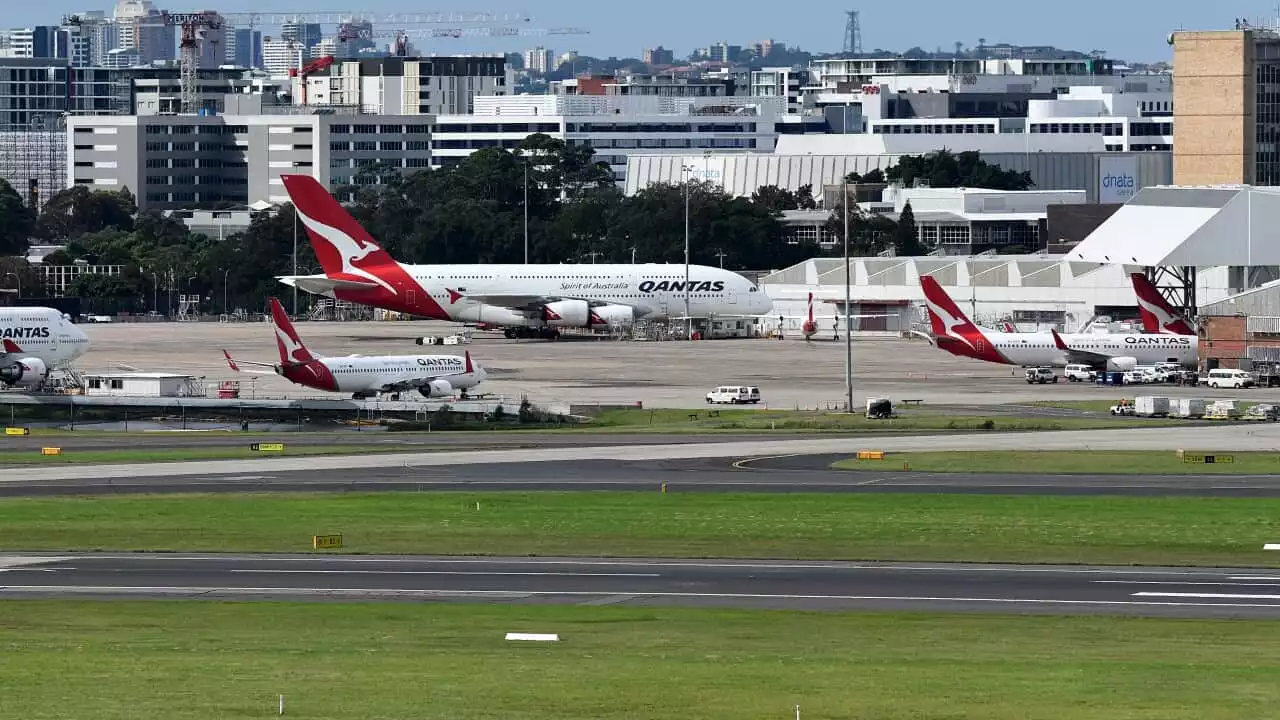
(244, 48)
(1105, 177)
(1225, 91)
(616, 127)
(142, 27)
(632, 84)
(189, 162)
(968, 221)
(279, 56)
(658, 56)
(779, 82)
(540, 60)
(445, 85)
(303, 35)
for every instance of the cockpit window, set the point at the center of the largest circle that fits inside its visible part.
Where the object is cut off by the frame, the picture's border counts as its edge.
(753, 288)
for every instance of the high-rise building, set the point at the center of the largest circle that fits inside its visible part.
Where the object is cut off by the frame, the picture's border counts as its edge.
(724, 52)
(143, 28)
(307, 35)
(41, 41)
(244, 47)
(659, 56)
(408, 85)
(92, 35)
(279, 56)
(539, 60)
(1226, 107)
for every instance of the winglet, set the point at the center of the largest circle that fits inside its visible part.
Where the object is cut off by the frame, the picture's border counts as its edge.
(11, 347)
(230, 362)
(1057, 340)
(470, 368)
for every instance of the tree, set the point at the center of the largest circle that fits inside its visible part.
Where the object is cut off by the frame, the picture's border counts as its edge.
(17, 222)
(776, 199)
(79, 210)
(905, 240)
(875, 176)
(942, 169)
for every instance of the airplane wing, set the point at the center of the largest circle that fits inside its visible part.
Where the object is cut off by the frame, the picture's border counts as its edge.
(1082, 357)
(413, 382)
(235, 365)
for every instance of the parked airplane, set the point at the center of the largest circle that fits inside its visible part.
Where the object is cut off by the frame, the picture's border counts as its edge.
(809, 324)
(1158, 316)
(364, 377)
(525, 299)
(953, 332)
(34, 340)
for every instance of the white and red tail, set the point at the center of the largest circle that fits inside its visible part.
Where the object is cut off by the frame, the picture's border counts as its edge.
(1158, 316)
(11, 347)
(809, 327)
(949, 323)
(292, 351)
(1008, 327)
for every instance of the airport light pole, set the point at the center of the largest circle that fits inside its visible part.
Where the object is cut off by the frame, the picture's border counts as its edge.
(848, 303)
(526, 211)
(685, 170)
(225, 310)
(19, 279)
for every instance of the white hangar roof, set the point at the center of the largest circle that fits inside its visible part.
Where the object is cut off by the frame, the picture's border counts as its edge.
(1237, 225)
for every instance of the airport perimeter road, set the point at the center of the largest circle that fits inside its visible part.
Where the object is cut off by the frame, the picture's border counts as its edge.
(802, 473)
(752, 584)
(1217, 438)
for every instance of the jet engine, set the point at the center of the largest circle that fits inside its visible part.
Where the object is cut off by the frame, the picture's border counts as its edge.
(1122, 364)
(567, 313)
(611, 315)
(27, 373)
(436, 388)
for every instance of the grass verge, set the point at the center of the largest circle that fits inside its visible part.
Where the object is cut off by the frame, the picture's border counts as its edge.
(1029, 529)
(99, 457)
(1093, 462)
(131, 659)
(676, 420)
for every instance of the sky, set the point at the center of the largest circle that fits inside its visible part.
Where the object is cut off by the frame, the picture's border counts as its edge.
(1132, 31)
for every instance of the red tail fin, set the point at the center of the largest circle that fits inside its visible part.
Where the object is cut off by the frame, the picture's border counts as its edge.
(342, 246)
(1158, 316)
(292, 350)
(470, 368)
(948, 321)
(11, 347)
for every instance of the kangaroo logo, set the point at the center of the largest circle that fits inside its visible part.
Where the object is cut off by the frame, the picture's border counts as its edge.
(292, 348)
(950, 324)
(350, 251)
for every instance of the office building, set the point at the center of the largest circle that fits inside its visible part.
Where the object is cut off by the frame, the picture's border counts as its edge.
(1226, 98)
(41, 41)
(616, 127)
(279, 56)
(244, 48)
(723, 52)
(539, 60)
(92, 36)
(142, 27)
(187, 162)
(781, 82)
(305, 35)
(407, 86)
(658, 56)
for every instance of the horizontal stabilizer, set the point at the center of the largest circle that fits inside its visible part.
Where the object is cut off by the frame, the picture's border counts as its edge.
(322, 284)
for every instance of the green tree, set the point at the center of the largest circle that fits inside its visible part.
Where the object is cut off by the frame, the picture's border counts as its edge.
(874, 176)
(905, 240)
(79, 210)
(17, 222)
(942, 169)
(101, 286)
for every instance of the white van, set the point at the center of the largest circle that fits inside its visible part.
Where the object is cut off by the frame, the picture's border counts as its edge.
(1079, 373)
(1229, 379)
(734, 395)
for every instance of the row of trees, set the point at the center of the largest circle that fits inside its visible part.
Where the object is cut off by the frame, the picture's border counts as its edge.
(474, 212)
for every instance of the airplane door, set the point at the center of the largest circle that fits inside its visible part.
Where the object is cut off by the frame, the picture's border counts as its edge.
(733, 296)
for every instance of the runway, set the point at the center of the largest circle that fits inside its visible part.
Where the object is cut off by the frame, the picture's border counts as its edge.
(806, 473)
(1169, 592)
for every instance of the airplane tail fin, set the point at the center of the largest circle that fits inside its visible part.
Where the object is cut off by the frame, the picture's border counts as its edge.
(945, 317)
(470, 368)
(811, 308)
(1158, 316)
(11, 347)
(1058, 341)
(292, 351)
(336, 237)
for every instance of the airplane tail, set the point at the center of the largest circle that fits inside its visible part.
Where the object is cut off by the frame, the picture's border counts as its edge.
(231, 363)
(339, 241)
(292, 351)
(1158, 316)
(470, 368)
(11, 347)
(945, 317)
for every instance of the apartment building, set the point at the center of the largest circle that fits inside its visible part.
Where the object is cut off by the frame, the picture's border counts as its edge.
(615, 126)
(435, 85)
(182, 162)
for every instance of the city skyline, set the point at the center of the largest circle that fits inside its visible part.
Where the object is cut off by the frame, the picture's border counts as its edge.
(1092, 25)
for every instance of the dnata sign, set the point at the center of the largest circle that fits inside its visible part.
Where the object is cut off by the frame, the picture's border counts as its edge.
(1117, 179)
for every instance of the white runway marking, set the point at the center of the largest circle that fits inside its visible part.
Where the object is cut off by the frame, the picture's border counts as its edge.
(447, 572)
(1224, 596)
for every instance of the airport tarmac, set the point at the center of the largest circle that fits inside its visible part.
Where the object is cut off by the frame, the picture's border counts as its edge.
(1218, 438)
(791, 373)
(808, 473)
(1074, 590)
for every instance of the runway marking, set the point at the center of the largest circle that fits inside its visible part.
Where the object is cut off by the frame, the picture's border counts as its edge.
(834, 565)
(447, 572)
(873, 482)
(639, 595)
(1255, 577)
(1224, 596)
(1189, 582)
(741, 464)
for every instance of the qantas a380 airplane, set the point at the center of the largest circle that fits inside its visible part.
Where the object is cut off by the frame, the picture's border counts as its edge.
(364, 377)
(525, 299)
(34, 340)
(954, 333)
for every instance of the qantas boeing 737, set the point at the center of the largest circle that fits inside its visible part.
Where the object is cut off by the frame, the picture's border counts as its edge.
(34, 340)
(1158, 316)
(954, 333)
(364, 377)
(525, 299)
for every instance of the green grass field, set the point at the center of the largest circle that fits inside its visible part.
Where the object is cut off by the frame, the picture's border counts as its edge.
(1099, 462)
(243, 452)
(187, 660)
(1031, 529)
(716, 419)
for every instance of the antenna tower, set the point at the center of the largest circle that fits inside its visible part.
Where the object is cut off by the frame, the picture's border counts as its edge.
(852, 33)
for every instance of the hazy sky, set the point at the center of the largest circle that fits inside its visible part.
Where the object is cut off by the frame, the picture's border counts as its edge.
(1126, 30)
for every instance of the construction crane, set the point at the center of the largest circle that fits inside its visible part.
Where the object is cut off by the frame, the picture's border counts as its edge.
(362, 34)
(339, 17)
(195, 26)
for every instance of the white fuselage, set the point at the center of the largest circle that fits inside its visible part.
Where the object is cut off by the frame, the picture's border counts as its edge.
(1037, 349)
(42, 333)
(355, 374)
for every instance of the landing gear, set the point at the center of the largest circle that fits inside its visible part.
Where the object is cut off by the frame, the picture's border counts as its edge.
(525, 333)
